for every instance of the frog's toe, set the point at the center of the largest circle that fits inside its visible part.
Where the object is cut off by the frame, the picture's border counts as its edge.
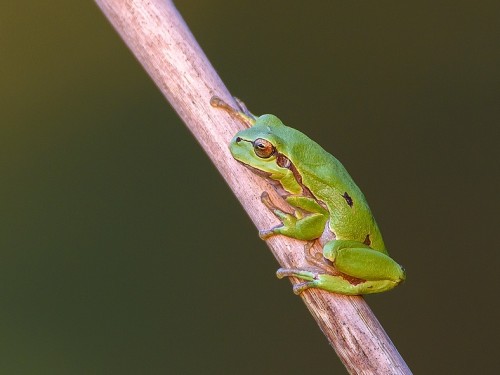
(264, 234)
(300, 287)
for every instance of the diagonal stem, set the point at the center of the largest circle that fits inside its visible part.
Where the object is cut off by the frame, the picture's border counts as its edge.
(163, 44)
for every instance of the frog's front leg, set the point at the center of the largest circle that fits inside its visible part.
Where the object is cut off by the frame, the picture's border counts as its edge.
(363, 270)
(306, 223)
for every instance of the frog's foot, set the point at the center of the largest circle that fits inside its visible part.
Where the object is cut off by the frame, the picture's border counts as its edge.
(285, 217)
(243, 108)
(245, 116)
(306, 223)
(266, 201)
(318, 260)
(264, 234)
(309, 276)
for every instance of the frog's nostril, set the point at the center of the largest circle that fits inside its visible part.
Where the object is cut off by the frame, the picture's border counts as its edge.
(237, 140)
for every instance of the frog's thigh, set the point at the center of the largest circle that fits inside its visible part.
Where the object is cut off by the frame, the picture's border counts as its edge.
(360, 261)
(338, 284)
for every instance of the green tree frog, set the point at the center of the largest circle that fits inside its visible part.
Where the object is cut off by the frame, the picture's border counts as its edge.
(327, 206)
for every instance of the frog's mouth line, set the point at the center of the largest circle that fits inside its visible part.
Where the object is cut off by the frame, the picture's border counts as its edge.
(267, 176)
(256, 171)
(277, 185)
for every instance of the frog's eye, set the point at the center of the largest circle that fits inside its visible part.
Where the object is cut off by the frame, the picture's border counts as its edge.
(263, 148)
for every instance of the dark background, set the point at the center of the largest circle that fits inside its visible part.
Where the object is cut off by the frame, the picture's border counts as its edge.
(122, 251)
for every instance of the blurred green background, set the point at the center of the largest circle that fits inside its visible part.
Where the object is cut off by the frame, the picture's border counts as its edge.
(122, 251)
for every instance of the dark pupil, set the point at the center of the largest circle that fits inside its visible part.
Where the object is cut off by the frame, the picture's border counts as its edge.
(263, 148)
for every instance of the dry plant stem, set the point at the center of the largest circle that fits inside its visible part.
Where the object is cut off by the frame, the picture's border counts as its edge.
(163, 44)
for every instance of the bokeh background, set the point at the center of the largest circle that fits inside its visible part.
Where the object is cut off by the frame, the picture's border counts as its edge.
(122, 251)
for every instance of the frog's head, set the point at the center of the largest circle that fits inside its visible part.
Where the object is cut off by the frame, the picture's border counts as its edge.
(263, 148)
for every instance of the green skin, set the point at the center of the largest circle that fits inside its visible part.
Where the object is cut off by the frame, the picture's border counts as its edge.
(328, 206)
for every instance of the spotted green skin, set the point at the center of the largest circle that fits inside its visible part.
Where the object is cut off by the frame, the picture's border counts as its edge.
(328, 206)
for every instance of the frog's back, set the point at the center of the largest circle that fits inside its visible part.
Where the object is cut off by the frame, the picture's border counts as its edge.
(330, 183)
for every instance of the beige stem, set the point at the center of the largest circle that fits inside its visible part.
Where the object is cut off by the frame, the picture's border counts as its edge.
(163, 44)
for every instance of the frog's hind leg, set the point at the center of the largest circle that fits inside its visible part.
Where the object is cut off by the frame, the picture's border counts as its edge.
(362, 270)
(341, 284)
